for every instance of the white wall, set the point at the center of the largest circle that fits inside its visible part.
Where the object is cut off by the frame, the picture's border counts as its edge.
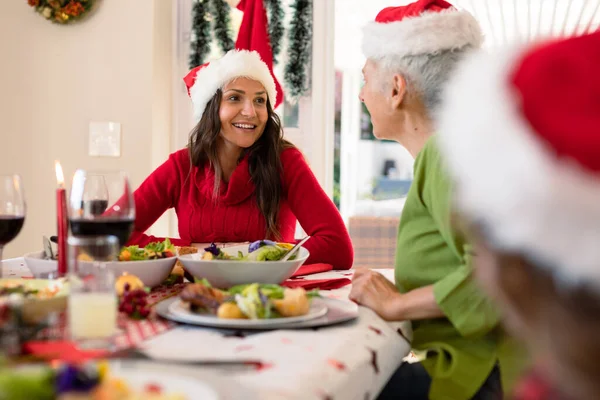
(114, 66)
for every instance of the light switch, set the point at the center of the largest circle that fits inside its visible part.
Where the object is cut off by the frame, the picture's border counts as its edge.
(105, 139)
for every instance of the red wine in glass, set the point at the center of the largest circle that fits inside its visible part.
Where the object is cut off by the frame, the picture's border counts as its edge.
(12, 210)
(101, 203)
(121, 228)
(95, 207)
(10, 226)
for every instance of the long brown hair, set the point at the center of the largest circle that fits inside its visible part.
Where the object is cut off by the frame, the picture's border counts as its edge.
(263, 159)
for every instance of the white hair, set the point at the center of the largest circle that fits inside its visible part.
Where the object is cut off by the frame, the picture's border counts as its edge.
(425, 74)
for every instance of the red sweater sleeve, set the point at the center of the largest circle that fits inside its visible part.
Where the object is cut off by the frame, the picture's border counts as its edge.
(329, 241)
(159, 192)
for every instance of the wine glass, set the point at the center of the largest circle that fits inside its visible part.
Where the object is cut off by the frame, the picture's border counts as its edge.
(12, 209)
(95, 197)
(91, 194)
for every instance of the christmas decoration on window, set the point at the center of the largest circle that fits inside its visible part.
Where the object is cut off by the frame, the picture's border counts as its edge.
(62, 11)
(211, 18)
(299, 49)
(222, 24)
(201, 36)
(276, 29)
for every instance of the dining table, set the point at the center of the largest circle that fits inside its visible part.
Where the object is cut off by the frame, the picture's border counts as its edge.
(350, 360)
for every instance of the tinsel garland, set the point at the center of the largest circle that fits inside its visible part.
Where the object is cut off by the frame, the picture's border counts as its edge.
(200, 45)
(276, 29)
(299, 49)
(222, 24)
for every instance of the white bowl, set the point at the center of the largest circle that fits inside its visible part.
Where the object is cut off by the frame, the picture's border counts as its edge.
(151, 272)
(38, 265)
(227, 273)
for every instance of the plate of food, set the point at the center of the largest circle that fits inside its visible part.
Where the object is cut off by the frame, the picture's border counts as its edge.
(152, 263)
(39, 297)
(100, 380)
(260, 261)
(250, 306)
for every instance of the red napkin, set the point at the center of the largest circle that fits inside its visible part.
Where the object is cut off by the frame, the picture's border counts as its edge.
(63, 351)
(323, 284)
(312, 269)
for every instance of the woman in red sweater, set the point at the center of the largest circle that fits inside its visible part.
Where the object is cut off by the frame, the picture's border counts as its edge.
(238, 180)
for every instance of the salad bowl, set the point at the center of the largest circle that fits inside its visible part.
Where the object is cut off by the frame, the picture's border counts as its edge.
(152, 264)
(242, 268)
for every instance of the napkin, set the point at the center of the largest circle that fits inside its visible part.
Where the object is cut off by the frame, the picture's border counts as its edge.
(63, 351)
(322, 284)
(312, 269)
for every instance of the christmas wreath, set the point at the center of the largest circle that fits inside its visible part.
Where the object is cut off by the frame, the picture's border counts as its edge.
(62, 11)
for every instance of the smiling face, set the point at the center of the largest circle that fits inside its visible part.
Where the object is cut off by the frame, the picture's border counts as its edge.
(243, 112)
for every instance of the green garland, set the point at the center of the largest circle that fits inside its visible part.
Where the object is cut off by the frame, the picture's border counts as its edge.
(299, 37)
(276, 29)
(200, 44)
(222, 24)
(299, 49)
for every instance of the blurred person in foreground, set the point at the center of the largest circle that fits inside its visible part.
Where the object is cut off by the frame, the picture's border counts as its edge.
(411, 52)
(520, 132)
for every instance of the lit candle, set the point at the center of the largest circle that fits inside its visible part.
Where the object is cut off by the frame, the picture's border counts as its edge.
(61, 219)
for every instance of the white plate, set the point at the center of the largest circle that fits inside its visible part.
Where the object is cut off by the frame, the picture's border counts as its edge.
(338, 311)
(181, 309)
(189, 388)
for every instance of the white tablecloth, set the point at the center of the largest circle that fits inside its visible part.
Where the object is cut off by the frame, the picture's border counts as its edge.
(350, 361)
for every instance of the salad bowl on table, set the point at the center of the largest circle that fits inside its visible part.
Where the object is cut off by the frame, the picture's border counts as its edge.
(238, 265)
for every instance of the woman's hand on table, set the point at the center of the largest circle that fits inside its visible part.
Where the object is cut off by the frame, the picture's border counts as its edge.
(375, 291)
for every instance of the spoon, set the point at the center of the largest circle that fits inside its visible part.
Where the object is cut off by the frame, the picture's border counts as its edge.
(295, 249)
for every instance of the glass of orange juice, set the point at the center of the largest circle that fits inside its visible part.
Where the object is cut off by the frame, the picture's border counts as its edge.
(92, 305)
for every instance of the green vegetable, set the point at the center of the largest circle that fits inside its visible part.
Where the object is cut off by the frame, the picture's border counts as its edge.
(136, 254)
(159, 247)
(203, 281)
(253, 304)
(268, 253)
(270, 290)
(26, 384)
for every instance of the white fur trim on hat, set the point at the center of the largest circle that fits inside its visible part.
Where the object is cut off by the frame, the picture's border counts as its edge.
(528, 200)
(430, 32)
(234, 64)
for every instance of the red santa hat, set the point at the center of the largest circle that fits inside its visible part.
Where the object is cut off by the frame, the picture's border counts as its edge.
(520, 132)
(204, 81)
(422, 27)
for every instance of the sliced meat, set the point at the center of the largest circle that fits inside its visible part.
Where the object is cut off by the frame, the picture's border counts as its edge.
(202, 297)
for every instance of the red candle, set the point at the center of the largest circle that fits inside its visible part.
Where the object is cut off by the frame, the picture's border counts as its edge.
(61, 220)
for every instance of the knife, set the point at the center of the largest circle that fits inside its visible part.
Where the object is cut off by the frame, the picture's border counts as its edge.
(48, 249)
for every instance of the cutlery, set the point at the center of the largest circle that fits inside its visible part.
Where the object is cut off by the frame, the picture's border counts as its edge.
(295, 249)
(48, 249)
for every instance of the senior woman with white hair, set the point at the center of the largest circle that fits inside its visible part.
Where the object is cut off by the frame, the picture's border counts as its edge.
(411, 52)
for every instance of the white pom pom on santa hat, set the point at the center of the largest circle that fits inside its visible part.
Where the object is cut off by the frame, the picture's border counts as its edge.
(422, 27)
(520, 132)
(203, 82)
